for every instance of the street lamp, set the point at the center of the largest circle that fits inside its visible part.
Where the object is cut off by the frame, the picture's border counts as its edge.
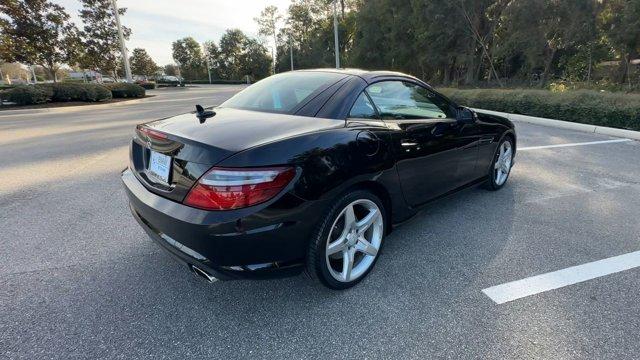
(127, 68)
(291, 50)
(206, 57)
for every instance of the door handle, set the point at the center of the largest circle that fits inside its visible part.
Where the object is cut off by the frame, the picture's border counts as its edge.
(408, 143)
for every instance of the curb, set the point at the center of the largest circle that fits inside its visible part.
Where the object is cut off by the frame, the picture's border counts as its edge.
(594, 129)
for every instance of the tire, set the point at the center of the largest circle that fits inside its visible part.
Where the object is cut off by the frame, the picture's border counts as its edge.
(501, 165)
(355, 243)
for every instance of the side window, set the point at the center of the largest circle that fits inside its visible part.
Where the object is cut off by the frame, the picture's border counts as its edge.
(404, 100)
(363, 108)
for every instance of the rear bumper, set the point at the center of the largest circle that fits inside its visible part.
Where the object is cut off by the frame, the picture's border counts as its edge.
(264, 241)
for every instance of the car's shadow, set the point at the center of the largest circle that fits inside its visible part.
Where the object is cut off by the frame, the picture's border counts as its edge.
(429, 265)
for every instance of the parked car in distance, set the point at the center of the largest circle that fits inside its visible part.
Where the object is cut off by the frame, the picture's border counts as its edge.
(166, 80)
(307, 170)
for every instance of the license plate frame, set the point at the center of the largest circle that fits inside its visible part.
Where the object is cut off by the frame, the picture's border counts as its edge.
(159, 167)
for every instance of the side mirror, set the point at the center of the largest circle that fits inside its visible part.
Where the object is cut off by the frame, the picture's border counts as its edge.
(466, 115)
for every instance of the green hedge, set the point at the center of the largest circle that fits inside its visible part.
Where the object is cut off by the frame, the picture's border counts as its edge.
(126, 90)
(148, 85)
(59, 92)
(79, 92)
(584, 106)
(28, 94)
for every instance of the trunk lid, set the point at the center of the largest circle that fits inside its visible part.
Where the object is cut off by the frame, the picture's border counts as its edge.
(194, 146)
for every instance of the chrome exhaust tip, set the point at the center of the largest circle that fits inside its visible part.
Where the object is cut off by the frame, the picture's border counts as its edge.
(203, 274)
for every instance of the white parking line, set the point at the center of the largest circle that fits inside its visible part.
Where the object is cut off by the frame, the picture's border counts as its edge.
(553, 280)
(573, 144)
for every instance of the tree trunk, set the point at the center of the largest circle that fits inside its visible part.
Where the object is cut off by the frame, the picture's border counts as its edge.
(633, 54)
(547, 66)
(445, 72)
(590, 62)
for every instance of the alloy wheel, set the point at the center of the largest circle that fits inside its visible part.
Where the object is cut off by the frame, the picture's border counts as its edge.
(354, 240)
(503, 163)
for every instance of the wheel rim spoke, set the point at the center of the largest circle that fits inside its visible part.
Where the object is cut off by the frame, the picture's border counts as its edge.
(349, 217)
(364, 224)
(347, 264)
(336, 247)
(365, 247)
(507, 154)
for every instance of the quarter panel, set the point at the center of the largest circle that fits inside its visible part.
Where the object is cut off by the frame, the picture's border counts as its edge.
(330, 161)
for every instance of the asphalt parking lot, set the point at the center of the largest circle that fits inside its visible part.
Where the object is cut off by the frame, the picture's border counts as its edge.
(80, 279)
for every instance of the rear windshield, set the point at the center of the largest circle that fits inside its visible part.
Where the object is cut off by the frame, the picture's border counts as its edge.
(282, 93)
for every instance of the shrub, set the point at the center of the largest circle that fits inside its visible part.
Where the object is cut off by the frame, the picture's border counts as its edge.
(58, 92)
(584, 106)
(126, 90)
(78, 92)
(28, 94)
(148, 85)
(101, 92)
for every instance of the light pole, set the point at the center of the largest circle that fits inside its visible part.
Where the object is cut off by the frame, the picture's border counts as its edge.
(206, 57)
(335, 33)
(127, 68)
(275, 49)
(291, 51)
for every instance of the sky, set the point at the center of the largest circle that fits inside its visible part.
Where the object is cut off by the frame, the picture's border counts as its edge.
(155, 24)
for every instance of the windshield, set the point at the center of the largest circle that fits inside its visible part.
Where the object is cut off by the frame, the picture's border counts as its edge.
(282, 93)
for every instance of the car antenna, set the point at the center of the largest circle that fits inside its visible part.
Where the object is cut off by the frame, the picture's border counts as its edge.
(203, 114)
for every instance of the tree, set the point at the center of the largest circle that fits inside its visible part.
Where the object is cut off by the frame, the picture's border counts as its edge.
(239, 56)
(171, 70)
(188, 55)
(230, 51)
(212, 56)
(267, 23)
(255, 61)
(100, 39)
(308, 31)
(142, 63)
(620, 22)
(37, 32)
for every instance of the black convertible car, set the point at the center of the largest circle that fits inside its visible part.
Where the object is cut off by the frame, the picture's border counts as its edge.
(307, 170)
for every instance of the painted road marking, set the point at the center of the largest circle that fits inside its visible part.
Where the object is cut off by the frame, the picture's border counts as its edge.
(573, 144)
(553, 280)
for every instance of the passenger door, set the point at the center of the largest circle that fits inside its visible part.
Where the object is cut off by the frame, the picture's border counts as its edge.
(426, 138)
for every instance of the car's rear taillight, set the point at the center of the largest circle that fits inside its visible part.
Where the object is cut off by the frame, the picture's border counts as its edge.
(229, 188)
(154, 134)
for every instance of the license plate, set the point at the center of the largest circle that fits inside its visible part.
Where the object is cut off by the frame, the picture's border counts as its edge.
(159, 166)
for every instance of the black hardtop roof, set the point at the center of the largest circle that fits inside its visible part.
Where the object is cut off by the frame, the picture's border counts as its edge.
(367, 75)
